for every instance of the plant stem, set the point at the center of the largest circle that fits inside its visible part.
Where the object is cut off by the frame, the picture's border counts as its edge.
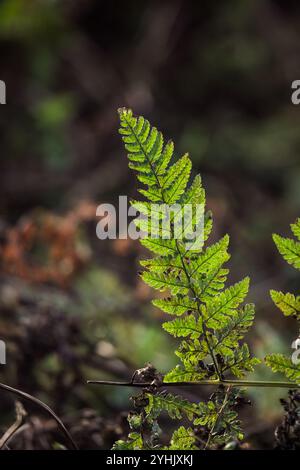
(214, 383)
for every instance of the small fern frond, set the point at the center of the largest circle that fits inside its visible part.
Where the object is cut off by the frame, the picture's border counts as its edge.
(185, 374)
(289, 249)
(184, 326)
(296, 228)
(219, 310)
(175, 406)
(183, 439)
(288, 303)
(284, 365)
(240, 362)
(227, 338)
(134, 442)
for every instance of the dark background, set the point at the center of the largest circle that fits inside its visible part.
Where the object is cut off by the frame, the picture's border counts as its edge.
(214, 77)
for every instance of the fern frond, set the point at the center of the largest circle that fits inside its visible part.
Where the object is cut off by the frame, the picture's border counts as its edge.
(194, 277)
(192, 352)
(175, 305)
(296, 228)
(287, 303)
(134, 442)
(227, 339)
(241, 362)
(183, 439)
(220, 419)
(175, 406)
(185, 374)
(210, 285)
(218, 311)
(184, 326)
(284, 365)
(211, 259)
(160, 246)
(209, 318)
(289, 249)
(166, 281)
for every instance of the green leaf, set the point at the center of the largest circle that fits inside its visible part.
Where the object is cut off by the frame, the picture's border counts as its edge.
(284, 365)
(160, 246)
(227, 339)
(192, 352)
(176, 305)
(210, 285)
(184, 326)
(287, 303)
(134, 442)
(176, 180)
(174, 405)
(211, 259)
(183, 439)
(289, 249)
(240, 362)
(208, 414)
(177, 284)
(296, 228)
(220, 309)
(180, 374)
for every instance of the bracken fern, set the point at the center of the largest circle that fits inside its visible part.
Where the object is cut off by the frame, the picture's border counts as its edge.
(209, 318)
(288, 303)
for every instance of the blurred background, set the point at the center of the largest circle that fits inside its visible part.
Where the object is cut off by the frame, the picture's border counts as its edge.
(214, 78)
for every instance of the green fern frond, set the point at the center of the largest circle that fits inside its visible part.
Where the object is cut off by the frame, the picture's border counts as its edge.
(219, 310)
(210, 318)
(212, 258)
(175, 305)
(184, 326)
(289, 249)
(134, 442)
(183, 439)
(175, 406)
(210, 285)
(160, 246)
(185, 374)
(287, 303)
(192, 352)
(296, 228)
(241, 362)
(284, 365)
(227, 339)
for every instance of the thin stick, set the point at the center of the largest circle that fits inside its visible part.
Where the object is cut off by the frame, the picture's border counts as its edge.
(45, 407)
(20, 415)
(235, 383)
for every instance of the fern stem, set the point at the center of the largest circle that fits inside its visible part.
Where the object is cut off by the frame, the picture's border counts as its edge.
(234, 383)
(260, 383)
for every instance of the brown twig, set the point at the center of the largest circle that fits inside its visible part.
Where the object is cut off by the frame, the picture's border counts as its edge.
(45, 407)
(20, 415)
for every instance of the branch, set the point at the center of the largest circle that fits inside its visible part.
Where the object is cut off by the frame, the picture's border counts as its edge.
(45, 407)
(20, 415)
